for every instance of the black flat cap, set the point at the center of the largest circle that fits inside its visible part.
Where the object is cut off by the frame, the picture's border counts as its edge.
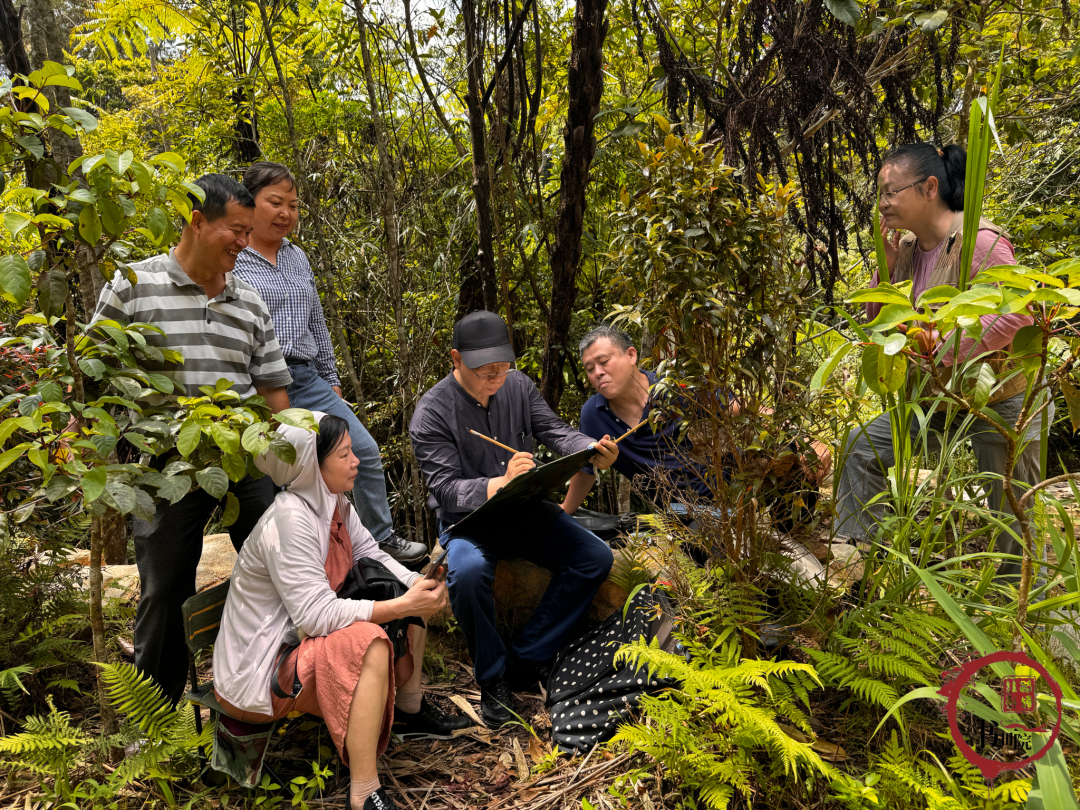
(481, 337)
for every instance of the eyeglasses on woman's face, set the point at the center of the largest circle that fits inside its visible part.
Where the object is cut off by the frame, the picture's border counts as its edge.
(889, 196)
(492, 371)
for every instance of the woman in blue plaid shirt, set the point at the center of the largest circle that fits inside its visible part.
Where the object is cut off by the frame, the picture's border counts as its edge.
(280, 271)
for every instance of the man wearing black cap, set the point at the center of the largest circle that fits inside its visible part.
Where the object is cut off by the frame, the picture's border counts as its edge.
(485, 393)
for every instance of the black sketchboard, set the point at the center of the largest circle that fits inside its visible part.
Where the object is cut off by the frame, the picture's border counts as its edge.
(526, 489)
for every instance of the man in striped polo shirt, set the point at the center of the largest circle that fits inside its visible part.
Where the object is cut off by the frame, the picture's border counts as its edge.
(222, 328)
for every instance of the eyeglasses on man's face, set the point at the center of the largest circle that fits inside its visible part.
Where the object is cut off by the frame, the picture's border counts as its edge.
(493, 371)
(888, 196)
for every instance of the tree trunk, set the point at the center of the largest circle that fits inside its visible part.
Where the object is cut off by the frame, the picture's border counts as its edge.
(48, 39)
(245, 127)
(11, 39)
(586, 85)
(393, 259)
(481, 184)
(97, 619)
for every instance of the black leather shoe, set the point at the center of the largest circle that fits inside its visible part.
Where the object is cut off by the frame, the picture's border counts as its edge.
(522, 676)
(430, 723)
(496, 704)
(376, 801)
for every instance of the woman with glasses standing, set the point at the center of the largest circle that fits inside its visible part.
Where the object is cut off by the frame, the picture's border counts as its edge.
(280, 271)
(922, 193)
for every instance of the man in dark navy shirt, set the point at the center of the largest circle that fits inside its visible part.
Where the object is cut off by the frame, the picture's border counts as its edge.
(621, 401)
(484, 393)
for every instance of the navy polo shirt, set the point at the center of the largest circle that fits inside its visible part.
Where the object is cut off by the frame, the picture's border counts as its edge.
(643, 450)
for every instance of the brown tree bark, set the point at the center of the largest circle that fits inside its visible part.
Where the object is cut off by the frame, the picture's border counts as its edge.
(481, 184)
(585, 78)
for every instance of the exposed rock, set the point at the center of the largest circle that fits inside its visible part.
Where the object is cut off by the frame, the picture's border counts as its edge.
(846, 566)
(122, 581)
(520, 585)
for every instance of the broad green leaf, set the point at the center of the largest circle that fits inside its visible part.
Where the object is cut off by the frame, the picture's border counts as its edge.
(931, 20)
(225, 437)
(89, 224)
(32, 144)
(119, 496)
(82, 118)
(884, 293)
(112, 217)
(883, 373)
(92, 367)
(188, 440)
(231, 511)
(157, 221)
(280, 447)
(174, 487)
(235, 467)
(1072, 400)
(8, 457)
(255, 440)
(936, 295)
(214, 481)
(893, 314)
(15, 221)
(894, 343)
(93, 484)
(826, 369)
(170, 159)
(15, 281)
(144, 505)
(1027, 346)
(52, 292)
(297, 417)
(174, 467)
(847, 11)
(160, 382)
(980, 383)
(985, 297)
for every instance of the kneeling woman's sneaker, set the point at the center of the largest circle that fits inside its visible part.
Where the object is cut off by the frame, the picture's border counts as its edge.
(430, 723)
(378, 800)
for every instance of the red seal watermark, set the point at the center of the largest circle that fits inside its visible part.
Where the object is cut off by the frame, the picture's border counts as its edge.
(1018, 696)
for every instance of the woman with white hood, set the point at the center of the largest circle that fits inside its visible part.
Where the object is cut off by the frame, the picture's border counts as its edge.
(284, 590)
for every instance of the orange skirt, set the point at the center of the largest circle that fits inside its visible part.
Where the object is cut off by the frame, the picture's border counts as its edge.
(329, 668)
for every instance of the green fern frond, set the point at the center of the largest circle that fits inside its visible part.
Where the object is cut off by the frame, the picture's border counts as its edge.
(140, 698)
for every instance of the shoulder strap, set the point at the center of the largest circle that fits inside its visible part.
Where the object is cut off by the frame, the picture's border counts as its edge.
(297, 687)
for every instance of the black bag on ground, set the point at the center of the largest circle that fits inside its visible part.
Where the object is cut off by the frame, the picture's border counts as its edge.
(609, 528)
(588, 694)
(370, 579)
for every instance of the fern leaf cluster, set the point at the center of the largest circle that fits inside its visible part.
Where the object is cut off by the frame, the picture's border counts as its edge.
(719, 733)
(879, 659)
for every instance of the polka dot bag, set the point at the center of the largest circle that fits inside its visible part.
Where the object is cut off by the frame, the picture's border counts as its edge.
(587, 693)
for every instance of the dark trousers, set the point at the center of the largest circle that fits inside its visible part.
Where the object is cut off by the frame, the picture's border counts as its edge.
(167, 551)
(578, 560)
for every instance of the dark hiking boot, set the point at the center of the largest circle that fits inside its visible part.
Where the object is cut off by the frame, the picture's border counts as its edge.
(430, 723)
(526, 676)
(495, 704)
(406, 552)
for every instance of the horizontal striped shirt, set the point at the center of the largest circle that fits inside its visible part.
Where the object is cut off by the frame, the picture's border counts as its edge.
(288, 288)
(230, 335)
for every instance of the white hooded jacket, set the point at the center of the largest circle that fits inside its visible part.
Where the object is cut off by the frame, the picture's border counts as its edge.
(279, 589)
